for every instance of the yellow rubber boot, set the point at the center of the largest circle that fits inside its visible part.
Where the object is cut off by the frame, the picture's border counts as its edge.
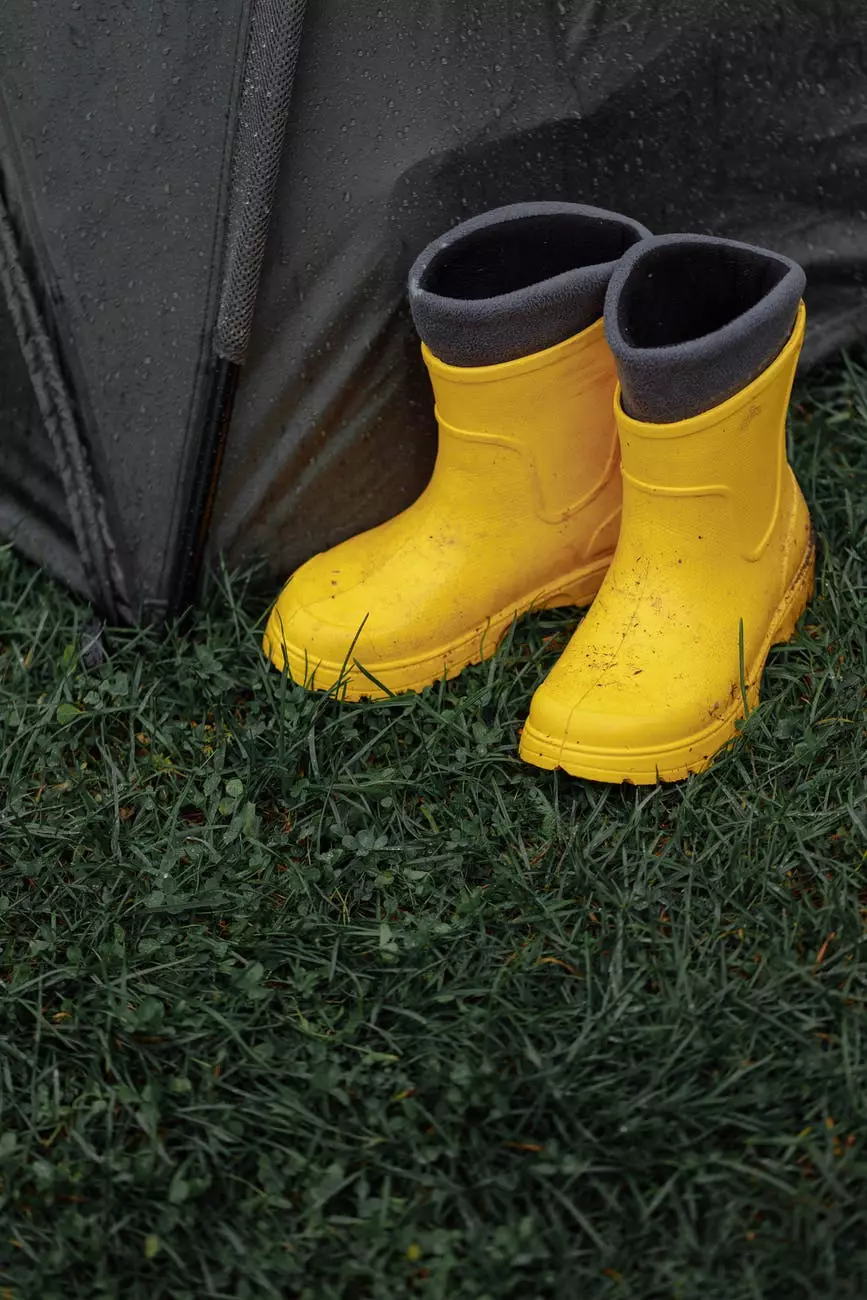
(715, 560)
(522, 510)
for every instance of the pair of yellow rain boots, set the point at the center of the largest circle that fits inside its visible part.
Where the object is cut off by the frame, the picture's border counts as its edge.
(612, 415)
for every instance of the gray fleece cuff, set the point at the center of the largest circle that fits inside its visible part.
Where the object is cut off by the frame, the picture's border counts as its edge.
(516, 280)
(692, 320)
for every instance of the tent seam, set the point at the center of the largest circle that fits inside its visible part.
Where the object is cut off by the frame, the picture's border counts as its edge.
(86, 507)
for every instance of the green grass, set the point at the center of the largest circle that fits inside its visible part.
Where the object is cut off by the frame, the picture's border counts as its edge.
(308, 1000)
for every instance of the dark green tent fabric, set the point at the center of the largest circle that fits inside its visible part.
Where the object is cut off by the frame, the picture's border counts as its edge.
(116, 126)
(734, 119)
(146, 178)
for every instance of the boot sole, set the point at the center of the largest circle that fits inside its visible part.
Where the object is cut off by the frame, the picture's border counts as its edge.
(414, 674)
(694, 753)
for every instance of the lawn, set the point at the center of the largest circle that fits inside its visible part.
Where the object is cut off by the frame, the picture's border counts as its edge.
(311, 1000)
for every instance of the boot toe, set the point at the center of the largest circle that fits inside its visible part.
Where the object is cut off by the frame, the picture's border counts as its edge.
(623, 730)
(345, 636)
(315, 638)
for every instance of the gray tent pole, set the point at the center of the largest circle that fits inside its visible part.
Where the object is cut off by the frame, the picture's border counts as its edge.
(269, 74)
(272, 56)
